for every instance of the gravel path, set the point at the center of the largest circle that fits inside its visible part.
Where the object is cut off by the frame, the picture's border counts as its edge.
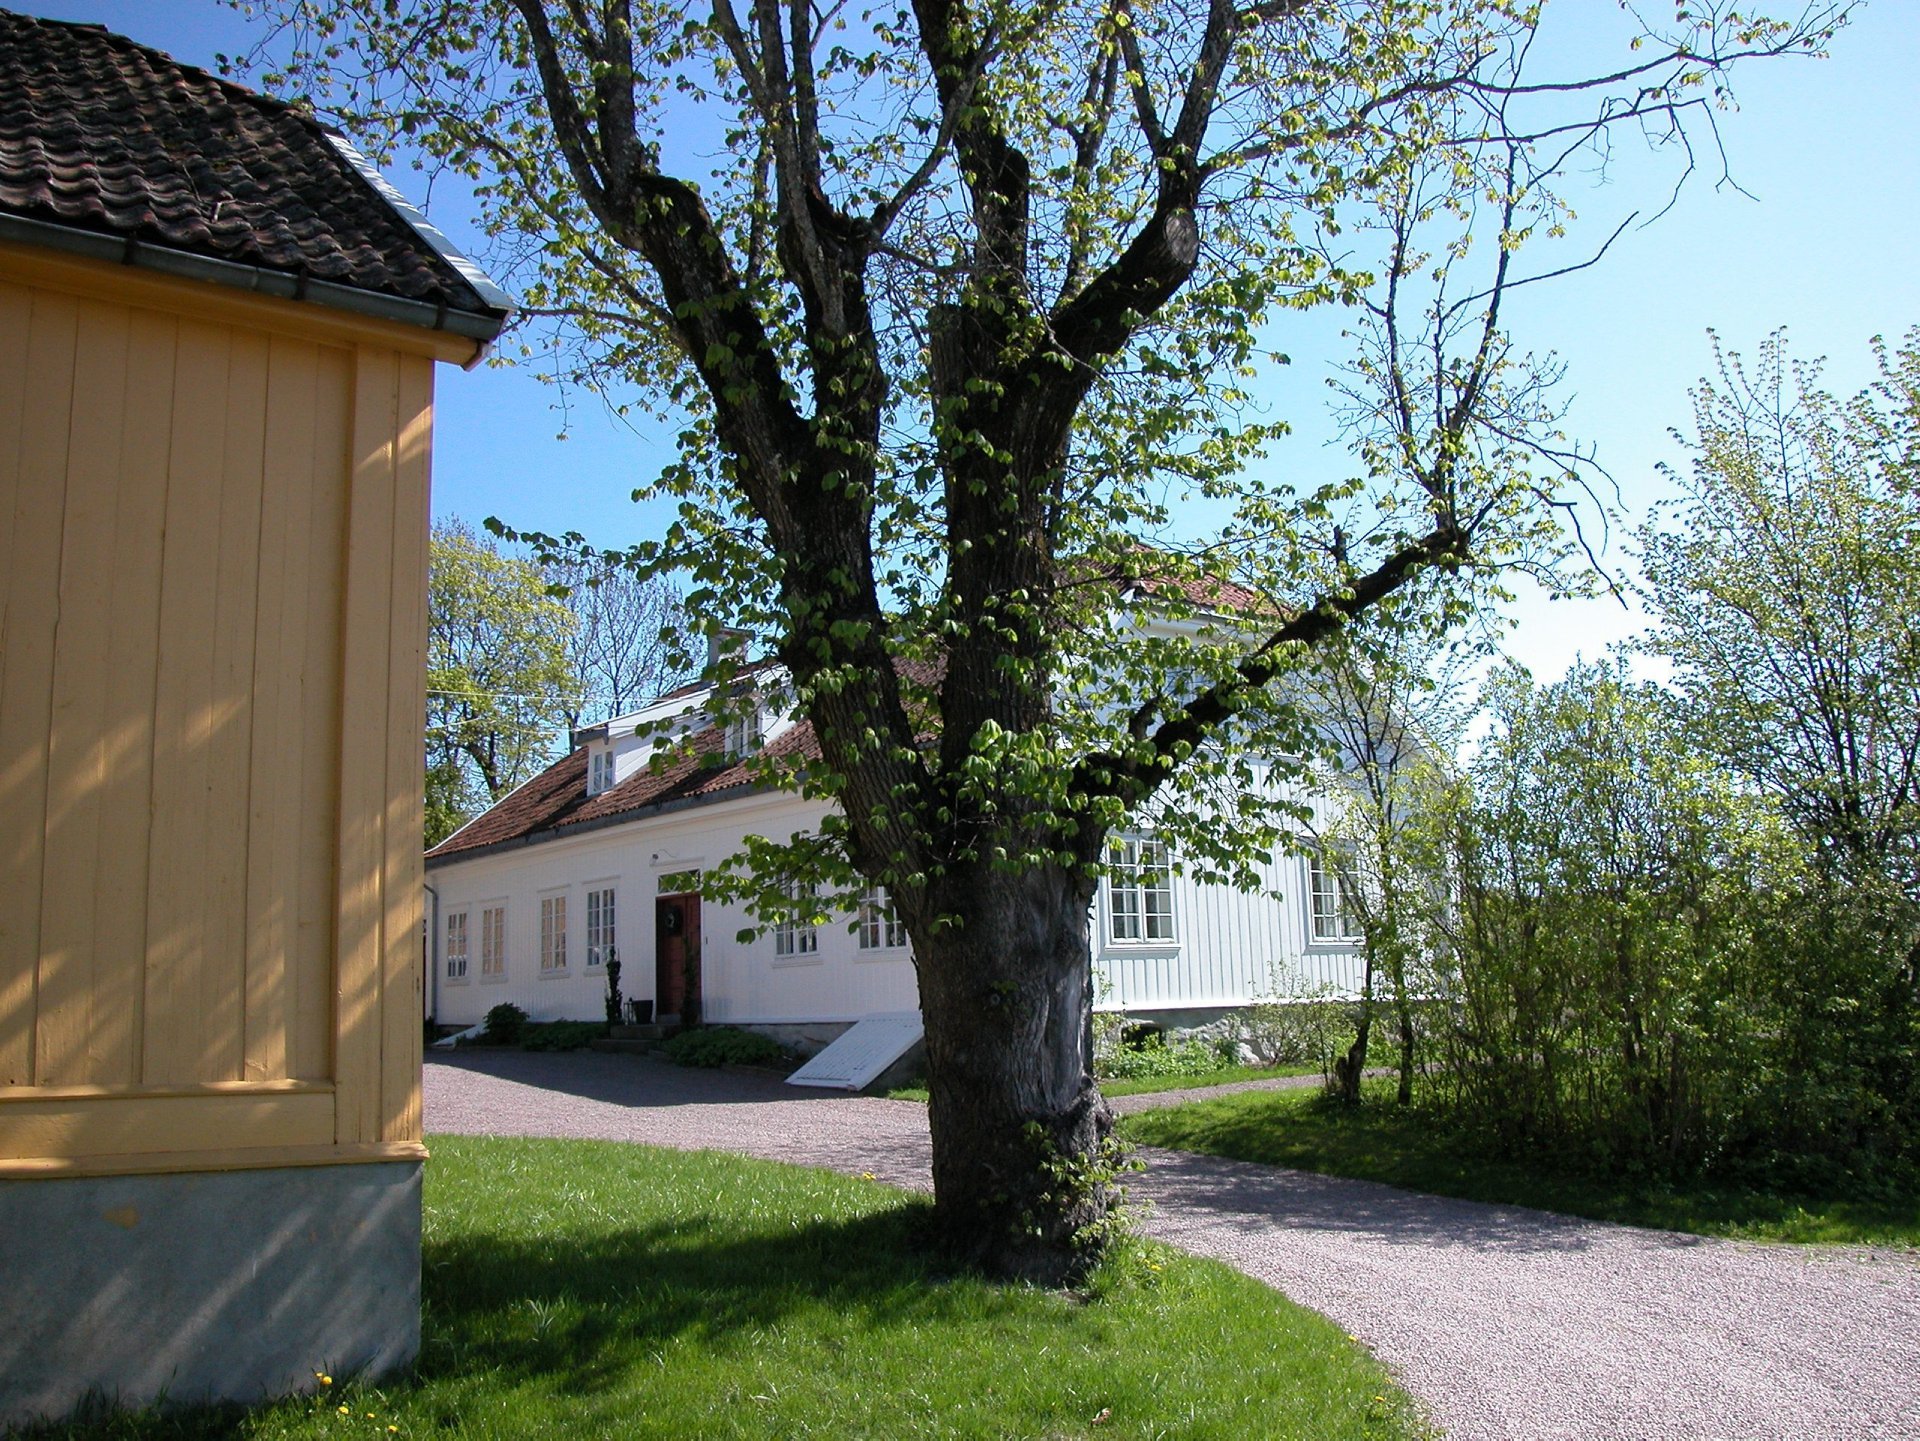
(1505, 1322)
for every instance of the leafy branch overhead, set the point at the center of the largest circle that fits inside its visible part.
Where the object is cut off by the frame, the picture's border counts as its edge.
(952, 299)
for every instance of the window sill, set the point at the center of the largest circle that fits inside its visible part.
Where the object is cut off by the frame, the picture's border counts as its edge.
(784, 963)
(557, 973)
(883, 953)
(499, 980)
(455, 980)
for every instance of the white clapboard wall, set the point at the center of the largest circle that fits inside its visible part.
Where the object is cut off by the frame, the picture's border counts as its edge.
(871, 1045)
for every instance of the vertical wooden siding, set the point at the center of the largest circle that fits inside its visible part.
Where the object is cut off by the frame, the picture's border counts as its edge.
(212, 592)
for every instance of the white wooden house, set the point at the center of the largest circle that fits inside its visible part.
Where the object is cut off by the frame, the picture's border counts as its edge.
(601, 856)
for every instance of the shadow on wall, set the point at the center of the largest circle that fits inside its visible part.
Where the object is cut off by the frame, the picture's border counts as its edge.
(227, 1286)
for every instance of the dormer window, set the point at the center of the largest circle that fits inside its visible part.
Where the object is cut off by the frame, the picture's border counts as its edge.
(744, 733)
(600, 776)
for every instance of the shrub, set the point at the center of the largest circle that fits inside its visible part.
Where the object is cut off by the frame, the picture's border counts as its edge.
(723, 1046)
(505, 1022)
(561, 1035)
(1290, 1030)
(1125, 1050)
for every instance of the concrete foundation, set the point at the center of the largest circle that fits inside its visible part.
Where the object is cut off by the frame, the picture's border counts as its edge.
(235, 1285)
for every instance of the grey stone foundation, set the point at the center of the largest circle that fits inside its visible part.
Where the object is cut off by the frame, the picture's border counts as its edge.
(234, 1286)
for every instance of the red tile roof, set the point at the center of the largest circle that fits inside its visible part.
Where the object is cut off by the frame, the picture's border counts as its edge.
(102, 135)
(557, 798)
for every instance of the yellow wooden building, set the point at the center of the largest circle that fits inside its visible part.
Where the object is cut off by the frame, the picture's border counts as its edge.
(218, 334)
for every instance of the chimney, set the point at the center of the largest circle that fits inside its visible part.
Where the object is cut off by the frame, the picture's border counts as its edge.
(727, 642)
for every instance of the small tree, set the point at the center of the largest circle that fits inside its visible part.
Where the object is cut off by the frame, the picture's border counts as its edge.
(1391, 699)
(1605, 931)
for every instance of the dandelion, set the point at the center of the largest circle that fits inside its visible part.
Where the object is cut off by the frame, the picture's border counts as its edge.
(346, 1410)
(323, 1378)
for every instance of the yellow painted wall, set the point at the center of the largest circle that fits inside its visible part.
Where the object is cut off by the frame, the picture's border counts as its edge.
(213, 520)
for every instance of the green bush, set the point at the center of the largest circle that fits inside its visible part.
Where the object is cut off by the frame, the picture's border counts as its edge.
(505, 1022)
(1126, 1051)
(561, 1035)
(1291, 1030)
(723, 1046)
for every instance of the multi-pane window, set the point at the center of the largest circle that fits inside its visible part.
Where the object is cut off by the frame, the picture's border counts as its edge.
(553, 933)
(880, 928)
(744, 734)
(1330, 899)
(1139, 890)
(456, 945)
(600, 938)
(493, 942)
(797, 935)
(601, 777)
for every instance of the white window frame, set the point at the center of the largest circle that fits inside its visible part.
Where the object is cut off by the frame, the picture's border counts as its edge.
(456, 945)
(493, 941)
(603, 918)
(745, 733)
(600, 776)
(1330, 917)
(796, 941)
(553, 934)
(878, 927)
(1139, 883)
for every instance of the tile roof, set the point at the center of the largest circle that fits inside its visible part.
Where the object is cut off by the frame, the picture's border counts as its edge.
(557, 798)
(102, 135)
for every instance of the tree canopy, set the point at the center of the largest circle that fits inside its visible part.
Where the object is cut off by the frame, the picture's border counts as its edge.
(956, 304)
(1785, 581)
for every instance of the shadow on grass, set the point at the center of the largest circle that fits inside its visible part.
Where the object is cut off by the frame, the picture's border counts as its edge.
(1415, 1151)
(579, 1311)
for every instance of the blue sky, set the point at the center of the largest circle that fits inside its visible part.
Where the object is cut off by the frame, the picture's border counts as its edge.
(1823, 242)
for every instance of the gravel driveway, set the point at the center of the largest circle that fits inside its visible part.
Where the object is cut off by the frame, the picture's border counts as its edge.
(1505, 1322)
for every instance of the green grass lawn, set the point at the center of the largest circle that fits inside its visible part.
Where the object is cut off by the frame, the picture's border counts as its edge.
(1381, 1142)
(589, 1289)
(1146, 1085)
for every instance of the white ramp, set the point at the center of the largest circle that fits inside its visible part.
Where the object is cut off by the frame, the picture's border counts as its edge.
(871, 1045)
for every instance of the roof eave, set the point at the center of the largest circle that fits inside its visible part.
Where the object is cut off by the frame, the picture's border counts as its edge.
(482, 327)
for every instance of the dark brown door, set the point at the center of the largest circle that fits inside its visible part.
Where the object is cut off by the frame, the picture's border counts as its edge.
(676, 931)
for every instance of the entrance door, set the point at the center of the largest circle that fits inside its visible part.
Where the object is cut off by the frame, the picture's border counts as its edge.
(676, 949)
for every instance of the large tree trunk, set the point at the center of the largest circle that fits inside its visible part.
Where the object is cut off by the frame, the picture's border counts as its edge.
(1022, 1139)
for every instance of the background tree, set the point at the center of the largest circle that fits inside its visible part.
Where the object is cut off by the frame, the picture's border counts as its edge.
(628, 641)
(1785, 586)
(1609, 938)
(498, 679)
(955, 302)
